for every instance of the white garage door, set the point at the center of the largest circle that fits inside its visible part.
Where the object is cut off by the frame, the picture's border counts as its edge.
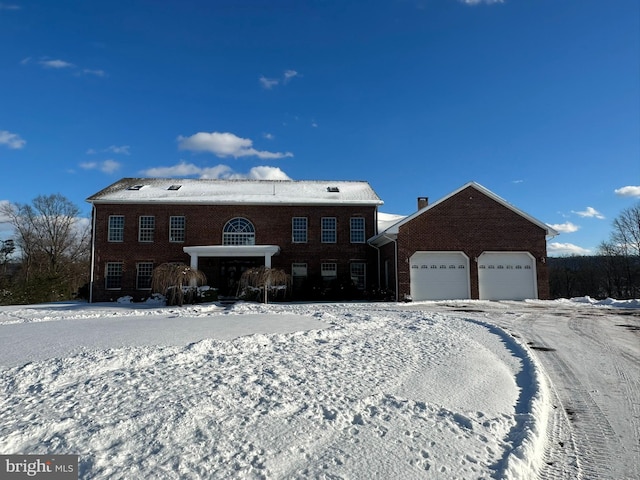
(507, 276)
(439, 276)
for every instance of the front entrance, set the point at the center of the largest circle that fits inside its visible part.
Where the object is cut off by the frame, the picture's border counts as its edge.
(224, 273)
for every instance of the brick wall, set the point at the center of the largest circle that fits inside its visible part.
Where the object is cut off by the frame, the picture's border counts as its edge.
(471, 222)
(204, 225)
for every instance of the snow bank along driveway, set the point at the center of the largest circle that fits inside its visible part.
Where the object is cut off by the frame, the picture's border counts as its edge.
(338, 391)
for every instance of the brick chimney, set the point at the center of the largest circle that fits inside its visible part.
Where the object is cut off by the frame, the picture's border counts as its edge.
(422, 202)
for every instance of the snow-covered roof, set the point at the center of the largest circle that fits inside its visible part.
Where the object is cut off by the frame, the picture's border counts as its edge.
(236, 192)
(385, 220)
(391, 232)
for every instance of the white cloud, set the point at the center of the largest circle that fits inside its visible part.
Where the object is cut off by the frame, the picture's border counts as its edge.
(289, 74)
(268, 136)
(56, 64)
(478, 2)
(556, 248)
(11, 140)
(225, 145)
(9, 6)
(267, 173)
(97, 73)
(123, 150)
(219, 171)
(268, 83)
(590, 212)
(106, 166)
(566, 227)
(629, 191)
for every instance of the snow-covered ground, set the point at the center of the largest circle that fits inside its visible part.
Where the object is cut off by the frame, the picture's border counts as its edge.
(356, 390)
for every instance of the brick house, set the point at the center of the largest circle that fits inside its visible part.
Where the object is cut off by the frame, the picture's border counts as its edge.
(315, 231)
(470, 244)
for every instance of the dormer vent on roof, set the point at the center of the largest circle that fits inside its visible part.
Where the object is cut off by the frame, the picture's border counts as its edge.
(333, 189)
(174, 187)
(135, 187)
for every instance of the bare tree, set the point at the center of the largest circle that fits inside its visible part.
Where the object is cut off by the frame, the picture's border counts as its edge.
(51, 238)
(622, 254)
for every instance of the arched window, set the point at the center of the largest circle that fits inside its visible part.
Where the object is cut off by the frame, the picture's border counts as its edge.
(239, 231)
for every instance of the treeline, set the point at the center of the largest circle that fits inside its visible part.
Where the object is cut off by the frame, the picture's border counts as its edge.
(599, 276)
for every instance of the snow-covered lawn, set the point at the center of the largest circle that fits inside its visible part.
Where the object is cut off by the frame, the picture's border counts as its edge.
(355, 390)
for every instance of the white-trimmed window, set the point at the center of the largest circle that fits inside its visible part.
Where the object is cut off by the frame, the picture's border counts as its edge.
(144, 271)
(329, 271)
(329, 232)
(116, 228)
(177, 226)
(146, 228)
(239, 231)
(299, 229)
(357, 230)
(298, 274)
(358, 274)
(113, 275)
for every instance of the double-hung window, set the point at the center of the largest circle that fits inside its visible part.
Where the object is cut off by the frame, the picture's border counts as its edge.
(299, 229)
(113, 275)
(147, 228)
(144, 271)
(177, 228)
(329, 233)
(116, 228)
(329, 271)
(358, 274)
(357, 230)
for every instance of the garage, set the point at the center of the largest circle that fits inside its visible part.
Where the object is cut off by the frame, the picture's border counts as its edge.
(507, 276)
(439, 276)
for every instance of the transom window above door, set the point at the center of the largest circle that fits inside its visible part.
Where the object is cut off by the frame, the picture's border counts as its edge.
(239, 231)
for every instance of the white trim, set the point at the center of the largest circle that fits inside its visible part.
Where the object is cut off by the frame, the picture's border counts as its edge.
(393, 229)
(266, 251)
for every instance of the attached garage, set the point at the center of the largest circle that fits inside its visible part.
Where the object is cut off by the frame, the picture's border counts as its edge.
(507, 276)
(439, 276)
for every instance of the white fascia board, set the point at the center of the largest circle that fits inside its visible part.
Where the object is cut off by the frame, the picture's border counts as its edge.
(393, 230)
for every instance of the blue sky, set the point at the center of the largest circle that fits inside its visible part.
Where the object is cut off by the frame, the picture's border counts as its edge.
(537, 100)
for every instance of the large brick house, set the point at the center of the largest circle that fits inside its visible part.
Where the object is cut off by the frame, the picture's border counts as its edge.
(313, 230)
(470, 244)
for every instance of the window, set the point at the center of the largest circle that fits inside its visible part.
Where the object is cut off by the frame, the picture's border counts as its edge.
(116, 228)
(329, 271)
(329, 233)
(144, 271)
(357, 230)
(298, 274)
(113, 275)
(176, 229)
(299, 229)
(239, 231)
(147, 227)
(358, 270)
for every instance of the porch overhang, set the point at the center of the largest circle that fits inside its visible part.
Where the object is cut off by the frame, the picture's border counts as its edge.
(266, 251)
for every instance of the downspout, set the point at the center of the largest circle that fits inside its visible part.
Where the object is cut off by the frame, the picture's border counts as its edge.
(93, 251)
